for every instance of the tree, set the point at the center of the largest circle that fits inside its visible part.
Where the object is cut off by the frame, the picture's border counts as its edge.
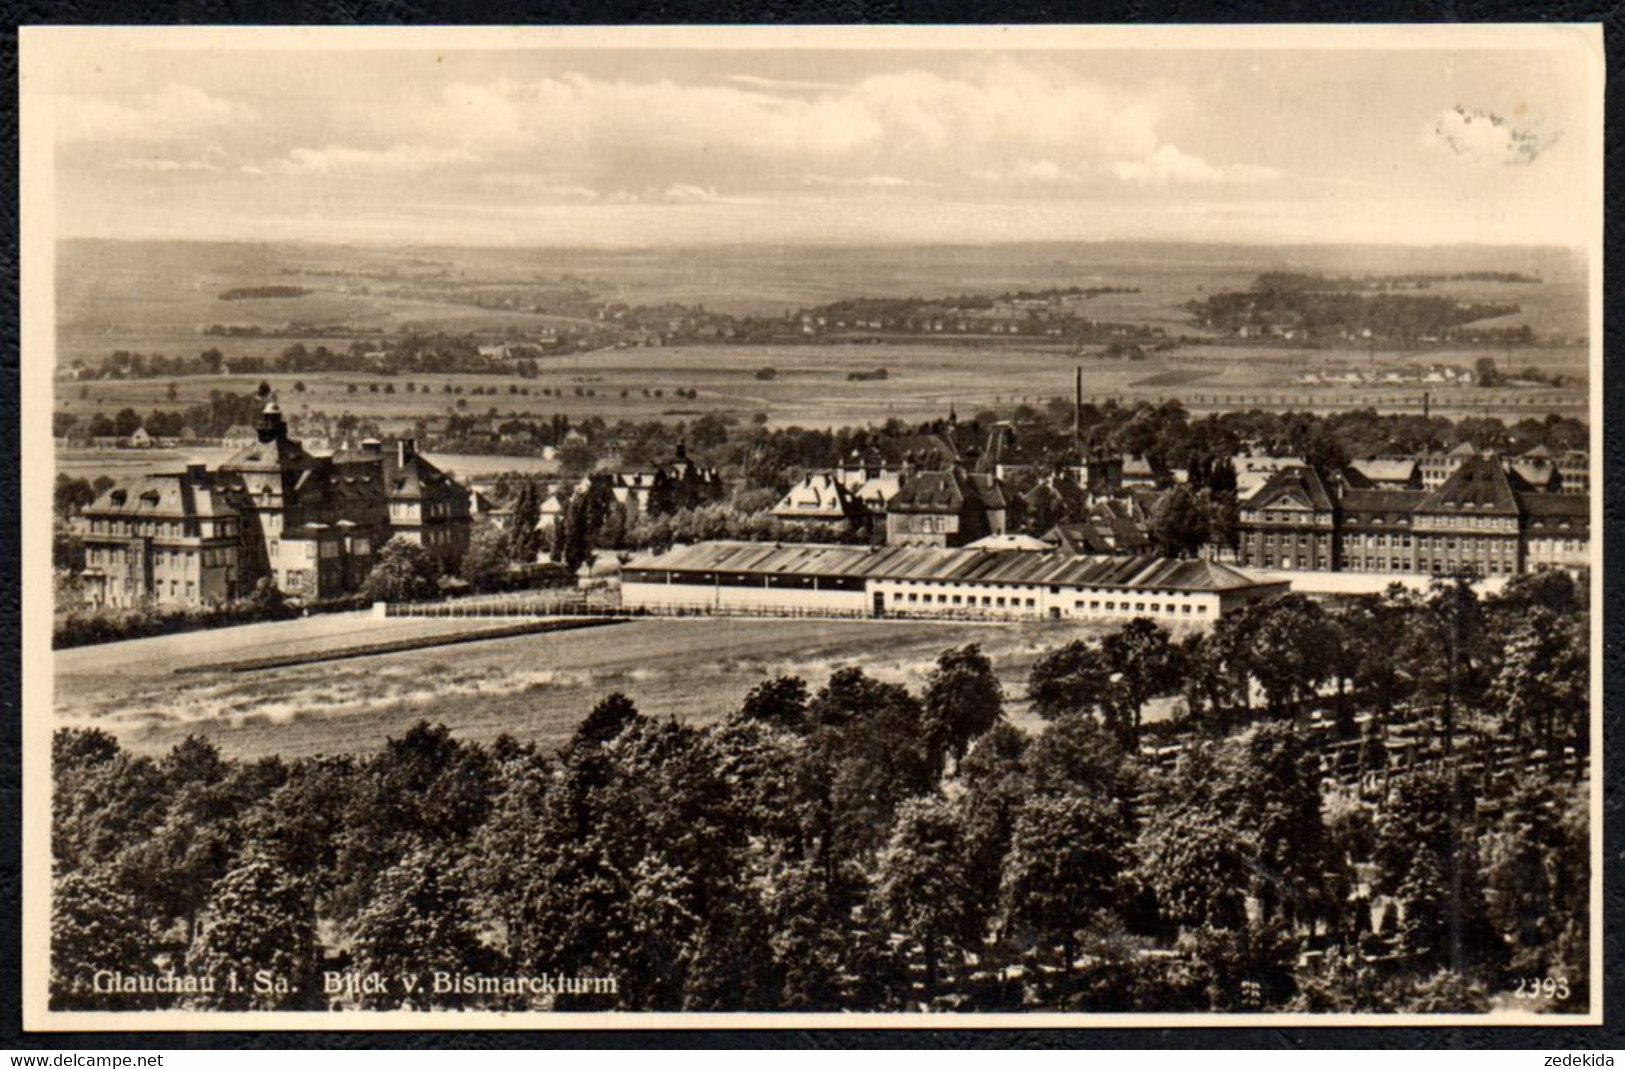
(71, 495)
(485, 563)
(260, 920)
(1077, 753)
(418, 922)
(1143, 662)
(1067, 855)
(1291, 649)
(576, 457)
(1072, 679)
(995, 786)
(299, 387)
(526, 513)
(95, 925)
(1427, 851)
(126, 422)
(608, 719)
(1179, 526)
(963, 699)
(404, 571)
(1238, 817)
(780, 702)
(923, 885)
(864, 757)
(263, 391)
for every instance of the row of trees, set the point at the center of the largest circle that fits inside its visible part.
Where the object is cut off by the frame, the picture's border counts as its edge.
(1514, 665)
(861, 847)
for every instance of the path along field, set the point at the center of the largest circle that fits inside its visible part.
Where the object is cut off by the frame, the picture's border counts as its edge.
(535, 687)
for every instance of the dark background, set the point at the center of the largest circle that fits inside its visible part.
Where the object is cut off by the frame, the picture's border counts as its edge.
(792, 12)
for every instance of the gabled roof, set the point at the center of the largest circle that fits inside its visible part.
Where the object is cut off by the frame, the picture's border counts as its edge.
(1005, 543)
(1480, 486)
(1068, 497)
(1386, 502)
(947, 491)
(924, 563)
(922, 450)
(1570, 505)
(818, 496)
(1464, 449)
(160, 496)
(1298, 483)
(276, 455)
(1386, 470)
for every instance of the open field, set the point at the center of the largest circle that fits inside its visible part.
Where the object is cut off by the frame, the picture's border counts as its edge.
(158, 296)
(532, 687)
(119, 463)
(812, 389)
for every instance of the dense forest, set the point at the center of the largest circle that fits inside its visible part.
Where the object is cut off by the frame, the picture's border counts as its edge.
(1398, 823)
(1326, 314)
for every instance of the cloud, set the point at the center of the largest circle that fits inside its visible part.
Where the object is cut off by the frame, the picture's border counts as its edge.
(212, 159)
(780, 84)
(173, 113)
(344, 160)
(1168, 165)
(910, 125)
(867, 181)
(1484, 138)
(683, 193)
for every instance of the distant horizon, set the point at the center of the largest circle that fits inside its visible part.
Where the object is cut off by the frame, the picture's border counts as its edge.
(1162, 242)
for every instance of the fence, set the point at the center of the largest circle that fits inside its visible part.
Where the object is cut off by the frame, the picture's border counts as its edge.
(498, 607)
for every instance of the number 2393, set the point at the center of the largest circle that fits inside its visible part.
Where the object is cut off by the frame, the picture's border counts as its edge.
(1542, 987)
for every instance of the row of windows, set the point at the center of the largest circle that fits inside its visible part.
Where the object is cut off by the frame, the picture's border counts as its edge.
(1140, 606)
(1378, 541)
(1289, 562)
(1286, 539)
(988, 601)
(995, 602)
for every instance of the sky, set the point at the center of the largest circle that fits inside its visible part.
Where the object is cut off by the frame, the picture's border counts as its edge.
(592, 146)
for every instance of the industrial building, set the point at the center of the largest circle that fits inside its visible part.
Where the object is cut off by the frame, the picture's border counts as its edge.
(934, 581)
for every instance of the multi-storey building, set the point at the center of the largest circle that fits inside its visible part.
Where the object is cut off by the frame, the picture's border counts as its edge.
(311, 524)
(170, 538)
(675, 483)
(1483, 518)
(1290, 523)
(820, 498)
(945, 508)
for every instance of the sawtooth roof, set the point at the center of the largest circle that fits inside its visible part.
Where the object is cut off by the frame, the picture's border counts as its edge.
(932, 564)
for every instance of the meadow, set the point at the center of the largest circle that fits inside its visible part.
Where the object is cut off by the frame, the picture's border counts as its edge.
(535, 687)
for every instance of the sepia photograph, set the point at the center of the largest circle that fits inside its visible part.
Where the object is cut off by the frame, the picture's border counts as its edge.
(841, 527)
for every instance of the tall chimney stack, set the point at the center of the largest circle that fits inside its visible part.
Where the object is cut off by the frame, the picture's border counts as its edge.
(1077, 412)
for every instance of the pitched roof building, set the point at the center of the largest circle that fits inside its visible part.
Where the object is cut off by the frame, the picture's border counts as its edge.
(945, 508)
(1483, 518)
(312, 524)
(934, 581)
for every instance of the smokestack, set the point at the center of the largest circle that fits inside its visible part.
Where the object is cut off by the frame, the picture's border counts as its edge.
(405, 449)
(197, 475)
(1077, 412)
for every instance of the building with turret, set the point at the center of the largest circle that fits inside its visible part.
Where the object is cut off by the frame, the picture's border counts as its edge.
(312, 524)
